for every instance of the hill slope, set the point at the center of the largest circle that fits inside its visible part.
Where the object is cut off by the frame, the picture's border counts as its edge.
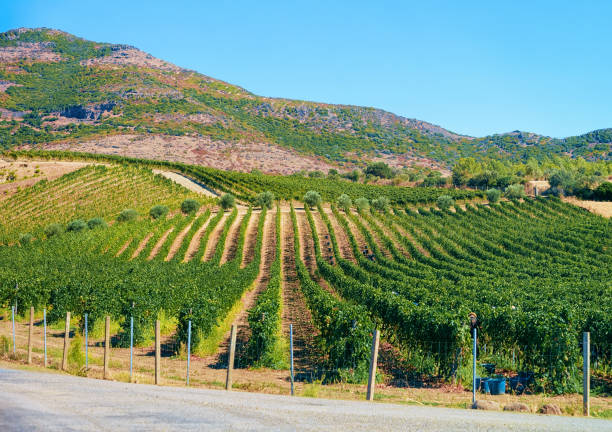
(61, 90)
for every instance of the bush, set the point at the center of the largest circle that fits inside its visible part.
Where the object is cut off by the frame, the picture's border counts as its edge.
(444, 202)
(352, 175)
(158, 211)
(189, 206)
(345, 202)
(53, 230)
(127, 215)
(76, 225)
(227, 201)
(312, 198)
(25, 239)
(379, 169)
(380, 203)
(515, 191)
(362, 204)
(265, 199)
(96, 223)
(493, 195)
(603, 192)
(76, 356)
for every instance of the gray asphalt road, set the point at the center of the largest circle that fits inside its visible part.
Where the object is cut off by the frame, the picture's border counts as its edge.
(31, 401)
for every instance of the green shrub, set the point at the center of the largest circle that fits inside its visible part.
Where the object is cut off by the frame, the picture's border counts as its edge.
(265, 199)
(379, 169)
(380, 203)
(96, 223)
(444, 202)
(127, 215)
(345, 203)
(493, 195)
(53, 230)
(362, 204)
(603, 192)
(227, 201)
(76, 356)
(158, 211)
(76, 225)
(312, 198)
(515, 191)
(25, 239)
(189, 206)
(5, 346)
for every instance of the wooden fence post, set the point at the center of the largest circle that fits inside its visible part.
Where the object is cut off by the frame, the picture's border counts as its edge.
(373, 361)
(106, 347)
(31, 330)
(586, 373)
(157, 353)
(66, 342)
(230, 359)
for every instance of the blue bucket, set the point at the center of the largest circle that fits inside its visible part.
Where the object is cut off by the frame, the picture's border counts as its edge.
(497, 386)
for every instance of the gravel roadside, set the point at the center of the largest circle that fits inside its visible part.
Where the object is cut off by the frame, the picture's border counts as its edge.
(35, 401)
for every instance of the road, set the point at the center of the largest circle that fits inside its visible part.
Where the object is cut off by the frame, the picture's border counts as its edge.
(35, 401)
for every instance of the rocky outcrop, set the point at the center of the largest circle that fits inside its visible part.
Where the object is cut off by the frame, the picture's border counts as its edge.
(87, 113)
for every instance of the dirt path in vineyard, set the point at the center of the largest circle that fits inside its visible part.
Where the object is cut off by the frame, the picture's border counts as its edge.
(295, 309)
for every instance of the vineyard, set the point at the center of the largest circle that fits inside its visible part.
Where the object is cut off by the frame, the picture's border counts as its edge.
(536, 272)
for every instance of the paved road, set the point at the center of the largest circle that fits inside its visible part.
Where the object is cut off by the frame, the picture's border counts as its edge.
(33, 401)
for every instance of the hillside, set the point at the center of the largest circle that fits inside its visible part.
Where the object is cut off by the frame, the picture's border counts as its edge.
(528, 268)
(64, 92)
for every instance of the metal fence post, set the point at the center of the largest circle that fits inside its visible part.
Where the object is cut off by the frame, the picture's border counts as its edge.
(131, 345)
(230, 360)
(373, 361)
(291, 355)
(66, 342)
(157, 353)
(45, 333)
(474, 334)
(106, 347)
(586, 373)
(30, 332)
(13, 319)
(86, 344)
(188, 348)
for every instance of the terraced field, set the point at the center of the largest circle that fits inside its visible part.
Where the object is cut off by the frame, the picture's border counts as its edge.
(536, 272)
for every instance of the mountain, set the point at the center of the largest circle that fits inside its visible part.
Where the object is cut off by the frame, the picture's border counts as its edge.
(62, 91)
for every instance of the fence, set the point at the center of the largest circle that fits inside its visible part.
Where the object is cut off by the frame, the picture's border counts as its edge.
(96, 352)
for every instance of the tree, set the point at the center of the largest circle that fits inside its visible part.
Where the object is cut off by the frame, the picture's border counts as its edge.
(379, 169)
(463, 170)
(345, 202)
(189, 206)
(352, 175)
(158, 211)
(380, 203)
(515, 191)
(76, 225)
(362, 204)
(444, 202)
(265, 199)
(603, 192)
(53, 230)
(312, 198)
(493, 195)
(127, 215)
(227, 201)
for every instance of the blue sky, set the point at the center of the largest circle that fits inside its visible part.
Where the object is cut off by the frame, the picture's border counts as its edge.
(474, 67)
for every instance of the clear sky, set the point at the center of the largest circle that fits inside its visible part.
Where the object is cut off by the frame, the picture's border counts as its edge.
(474, 67)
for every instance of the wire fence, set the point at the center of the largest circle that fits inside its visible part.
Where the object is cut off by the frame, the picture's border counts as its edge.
(420, 367)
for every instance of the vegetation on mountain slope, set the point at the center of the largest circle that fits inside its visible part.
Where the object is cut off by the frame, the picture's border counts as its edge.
(95, 89)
